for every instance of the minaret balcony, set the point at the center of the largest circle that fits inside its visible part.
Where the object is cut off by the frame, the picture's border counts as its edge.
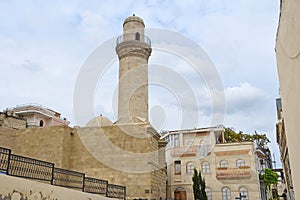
(136, 38)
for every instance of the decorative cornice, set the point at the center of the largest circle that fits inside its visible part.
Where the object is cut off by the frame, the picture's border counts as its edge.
(133, 48)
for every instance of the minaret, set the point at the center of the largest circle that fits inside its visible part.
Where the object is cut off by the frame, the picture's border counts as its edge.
(133, 49)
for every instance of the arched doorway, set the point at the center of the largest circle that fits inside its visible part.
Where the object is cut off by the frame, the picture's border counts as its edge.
(41, 123)
(180, 193)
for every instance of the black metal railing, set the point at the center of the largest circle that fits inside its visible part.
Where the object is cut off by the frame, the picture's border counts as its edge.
(133, 37)
(116, 191)
(68, 178)
(96, 186)
(4, 159)
(21, 166)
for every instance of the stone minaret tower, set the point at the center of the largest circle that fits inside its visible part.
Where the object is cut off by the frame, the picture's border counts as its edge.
(133, 49)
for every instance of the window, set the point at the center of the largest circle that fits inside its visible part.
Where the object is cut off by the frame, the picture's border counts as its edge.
(137, 36)
(226, 193)
(224, 164)
(171, 140)
(190, 168)
(176, 140)
(41, 123)
(205, 167)
(244, 192)
(177, 167)
(240, 163)
(208, 193)
(203, 150)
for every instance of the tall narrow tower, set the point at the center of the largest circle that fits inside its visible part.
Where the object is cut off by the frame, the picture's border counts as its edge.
(133, 49)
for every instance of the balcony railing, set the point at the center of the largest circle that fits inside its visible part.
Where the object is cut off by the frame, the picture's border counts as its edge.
(233, 173)
(134, 37)
(20, 166)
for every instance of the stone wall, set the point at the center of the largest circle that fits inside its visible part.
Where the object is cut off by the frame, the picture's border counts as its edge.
(13, 188)
(8, 121)
(100, 152)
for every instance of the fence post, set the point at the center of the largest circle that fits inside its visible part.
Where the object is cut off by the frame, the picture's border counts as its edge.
(83, 184)
(52, 177)
(8, 161)
(106, 190)
(124, 193)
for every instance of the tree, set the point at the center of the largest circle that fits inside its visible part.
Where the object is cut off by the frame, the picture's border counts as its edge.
(269, 177)
(260, 139)
(199, 186)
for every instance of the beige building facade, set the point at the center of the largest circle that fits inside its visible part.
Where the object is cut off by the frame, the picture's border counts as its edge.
(37, 115)
(284, 152)
(229, 169)
(288, 62)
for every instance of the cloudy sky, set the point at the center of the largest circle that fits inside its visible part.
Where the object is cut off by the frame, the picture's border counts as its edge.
(44, 45)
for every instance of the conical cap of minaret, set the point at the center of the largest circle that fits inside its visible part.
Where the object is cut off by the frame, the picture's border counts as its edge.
(132, 24)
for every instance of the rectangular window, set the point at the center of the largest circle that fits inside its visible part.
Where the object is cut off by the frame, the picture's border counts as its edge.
(176, 140)
(177, 167)
(171, 140)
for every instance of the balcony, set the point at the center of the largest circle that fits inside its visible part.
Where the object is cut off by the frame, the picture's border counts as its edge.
(189, 151)
(134, 37)
(233, 173)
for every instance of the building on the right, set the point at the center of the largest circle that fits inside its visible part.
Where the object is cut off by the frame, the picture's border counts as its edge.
(284, 153)
(230, 169)
(288, 66)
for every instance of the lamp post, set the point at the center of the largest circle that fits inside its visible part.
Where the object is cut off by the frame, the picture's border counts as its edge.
(241, 196)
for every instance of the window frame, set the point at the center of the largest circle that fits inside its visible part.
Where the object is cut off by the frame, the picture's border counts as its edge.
(190, 167)
(205, 167)
(176, 140)
(177, 167)
(137, 36)
(208, 193)
(226, 193)
(240, 163)
(223, 164)
(244, 191)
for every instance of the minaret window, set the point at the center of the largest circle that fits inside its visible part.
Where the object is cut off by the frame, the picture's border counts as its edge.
(137, 36)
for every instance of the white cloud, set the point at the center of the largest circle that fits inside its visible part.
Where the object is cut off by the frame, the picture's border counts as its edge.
(244, 99)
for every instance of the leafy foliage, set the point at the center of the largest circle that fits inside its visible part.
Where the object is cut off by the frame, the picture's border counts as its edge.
(199, 186)
(260, 139)
(269, 177)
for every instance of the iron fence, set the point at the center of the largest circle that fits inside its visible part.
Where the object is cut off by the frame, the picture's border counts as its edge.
(4, 159)
(116, 191)
(68, 178)
(95, 186)
(21, 166)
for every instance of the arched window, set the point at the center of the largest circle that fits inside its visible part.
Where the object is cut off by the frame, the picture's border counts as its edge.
(225, 193)
(240, 163)
(244, 192)
(137, 36)
(205, 167)
(224, 164)
(208, 193)
(41, 123)
(190, 168)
